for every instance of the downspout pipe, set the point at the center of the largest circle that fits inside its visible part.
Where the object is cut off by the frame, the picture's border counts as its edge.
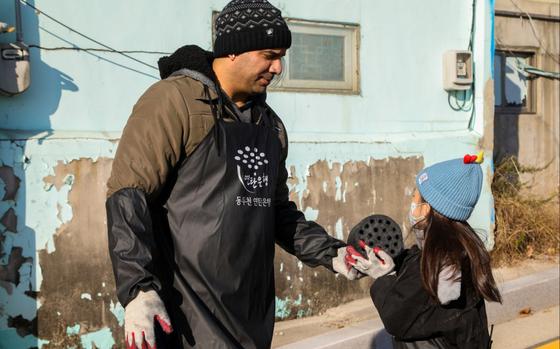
(19, 30)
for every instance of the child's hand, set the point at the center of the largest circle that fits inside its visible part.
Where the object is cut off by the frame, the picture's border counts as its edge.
(377, 264)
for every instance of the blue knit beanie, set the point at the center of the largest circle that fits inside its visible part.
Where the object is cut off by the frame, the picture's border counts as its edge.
(451, 187)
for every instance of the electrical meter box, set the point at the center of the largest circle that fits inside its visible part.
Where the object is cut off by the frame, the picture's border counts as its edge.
(14, 62)
(457, 70)
(14, 69)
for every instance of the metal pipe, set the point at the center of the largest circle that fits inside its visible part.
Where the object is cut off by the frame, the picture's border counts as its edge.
(19, 30)
(512, 14)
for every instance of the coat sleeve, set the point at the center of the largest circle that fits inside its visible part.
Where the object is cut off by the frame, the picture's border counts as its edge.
(407, 311)
(150, 146)
(307, 240)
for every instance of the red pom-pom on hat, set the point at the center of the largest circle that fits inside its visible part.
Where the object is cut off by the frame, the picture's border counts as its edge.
(469, 159)
(474, 159)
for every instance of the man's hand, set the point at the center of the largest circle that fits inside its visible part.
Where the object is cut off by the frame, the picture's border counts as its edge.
(377, 264)
(340, 265)
(140, 317)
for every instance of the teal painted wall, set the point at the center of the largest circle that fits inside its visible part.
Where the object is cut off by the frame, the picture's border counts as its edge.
(400, 56)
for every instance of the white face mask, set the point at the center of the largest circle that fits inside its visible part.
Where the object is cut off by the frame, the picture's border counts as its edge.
(413, 219)
(418, 233)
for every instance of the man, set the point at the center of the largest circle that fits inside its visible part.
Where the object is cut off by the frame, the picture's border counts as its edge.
(198, 196)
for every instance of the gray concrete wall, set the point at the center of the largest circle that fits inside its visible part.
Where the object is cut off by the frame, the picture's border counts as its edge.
(532, 137)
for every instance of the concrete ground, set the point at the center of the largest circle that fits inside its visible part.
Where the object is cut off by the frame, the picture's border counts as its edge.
(356, 316)
(528, 331)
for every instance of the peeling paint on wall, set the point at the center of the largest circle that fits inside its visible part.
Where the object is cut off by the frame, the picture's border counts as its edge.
(10, 183)
(9, 220)
(18, 322)
(81, 246)
(282, 308)
(339, 195)
(31, 226)
(118, 311)
(102, 339)
(73, 330)
(58, 251)
(10, 271)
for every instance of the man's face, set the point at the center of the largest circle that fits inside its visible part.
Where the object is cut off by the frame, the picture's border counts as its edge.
(255, 70)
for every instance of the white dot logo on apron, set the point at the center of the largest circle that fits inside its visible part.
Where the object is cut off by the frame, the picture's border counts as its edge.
(250, 168)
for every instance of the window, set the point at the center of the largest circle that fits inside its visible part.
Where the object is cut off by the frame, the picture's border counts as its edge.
(513, 87)
(323, 58)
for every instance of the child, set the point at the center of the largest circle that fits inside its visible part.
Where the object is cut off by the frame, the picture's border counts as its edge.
(436, 297)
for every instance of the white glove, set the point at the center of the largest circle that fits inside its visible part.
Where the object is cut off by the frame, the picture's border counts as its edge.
(340, 264)
(377, 264)
(139, 320)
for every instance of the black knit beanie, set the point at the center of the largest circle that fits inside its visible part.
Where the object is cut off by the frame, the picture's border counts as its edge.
(249, 25)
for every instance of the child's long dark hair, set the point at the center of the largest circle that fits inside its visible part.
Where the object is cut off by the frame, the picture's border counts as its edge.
(455, 243)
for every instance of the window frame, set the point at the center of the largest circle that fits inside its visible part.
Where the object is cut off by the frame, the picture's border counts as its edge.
(530, 105)
(351, 84)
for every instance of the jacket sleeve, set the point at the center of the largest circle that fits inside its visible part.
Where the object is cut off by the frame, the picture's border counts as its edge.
(307, 240)
(150, 146)
(406, 309)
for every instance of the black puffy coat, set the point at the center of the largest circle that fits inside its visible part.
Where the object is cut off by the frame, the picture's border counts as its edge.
(416, 320)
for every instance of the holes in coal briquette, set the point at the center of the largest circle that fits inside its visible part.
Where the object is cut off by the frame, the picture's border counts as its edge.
(371, 221)
(395, 244)
(387, 222)
(378, 237)
(396, 237)
(370, 244)
(361, 232)
(392, 251)
(366, 226)
(375, 230)
(394, 229)
(386, 245)
(389, 237)
(380, 221)
(384, 230)
(370, 235)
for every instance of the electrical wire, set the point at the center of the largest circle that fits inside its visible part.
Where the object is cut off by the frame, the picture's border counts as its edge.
(461, 106)
(473, 17)
(90, 49)
(87, 37)
(471, 48)
(101, 57)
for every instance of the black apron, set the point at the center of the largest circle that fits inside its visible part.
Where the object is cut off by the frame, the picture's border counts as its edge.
(222, 246)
